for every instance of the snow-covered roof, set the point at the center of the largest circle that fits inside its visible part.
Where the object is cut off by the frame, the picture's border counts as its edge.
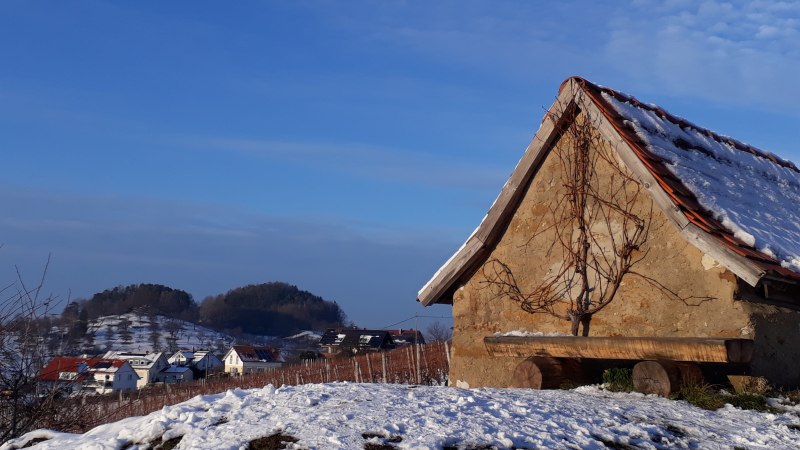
(176, 369)
(741, 202)
(355, 338)
(746, 197)
(137, 360)
(199, 355)
(182, 356)
(407, 336)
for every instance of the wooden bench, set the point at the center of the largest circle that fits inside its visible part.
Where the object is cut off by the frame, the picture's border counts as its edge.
(664, 364)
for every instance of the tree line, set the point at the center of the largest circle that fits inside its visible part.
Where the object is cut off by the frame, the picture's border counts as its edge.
(274, 308)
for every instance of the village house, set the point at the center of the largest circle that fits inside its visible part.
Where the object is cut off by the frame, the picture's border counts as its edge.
(95, 375)
(149, 366)
(404, 336)
(352, 341)
(201, 362)
(247, 359)
(711, 254)
(177, 374)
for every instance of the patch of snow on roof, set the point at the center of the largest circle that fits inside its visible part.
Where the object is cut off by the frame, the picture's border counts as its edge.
(313, 335)
(754, 198)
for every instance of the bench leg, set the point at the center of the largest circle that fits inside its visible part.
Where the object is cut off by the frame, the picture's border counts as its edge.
(664, 377)
(539, 372)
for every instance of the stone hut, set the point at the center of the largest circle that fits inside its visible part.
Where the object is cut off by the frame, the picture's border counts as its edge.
(718, 255)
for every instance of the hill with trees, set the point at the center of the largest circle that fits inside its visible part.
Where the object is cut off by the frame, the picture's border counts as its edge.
(273, 308)
(152, 298)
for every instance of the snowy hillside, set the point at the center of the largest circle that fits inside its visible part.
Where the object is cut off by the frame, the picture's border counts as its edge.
(139, 333)
(350, 416)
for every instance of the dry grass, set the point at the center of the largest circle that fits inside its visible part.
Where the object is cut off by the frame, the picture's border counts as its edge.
(277, 441)
(708, 397)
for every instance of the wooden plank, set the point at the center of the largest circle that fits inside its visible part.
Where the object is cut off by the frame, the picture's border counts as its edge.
(627, 348)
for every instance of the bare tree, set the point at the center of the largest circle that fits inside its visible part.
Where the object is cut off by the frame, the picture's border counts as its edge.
(595, 229)
(24, 403)
(439, 332)
(125, 330)
(174, 329)
(155, 331)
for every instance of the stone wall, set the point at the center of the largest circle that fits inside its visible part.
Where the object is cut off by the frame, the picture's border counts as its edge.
(688, 294)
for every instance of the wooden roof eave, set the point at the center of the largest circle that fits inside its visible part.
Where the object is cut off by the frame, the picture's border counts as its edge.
(440, 287)
(706, 243)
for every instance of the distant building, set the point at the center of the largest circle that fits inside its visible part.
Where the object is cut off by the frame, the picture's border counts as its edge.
(407, 337)
(245, 359)
(202, 362)
(177, 374)
(149, 366)
(98, 375)
(348, 341)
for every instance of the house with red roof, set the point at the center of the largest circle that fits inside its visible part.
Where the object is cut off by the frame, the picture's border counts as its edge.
(97, 375)
(711, 233)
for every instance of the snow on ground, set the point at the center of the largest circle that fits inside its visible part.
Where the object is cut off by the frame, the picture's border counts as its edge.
(334, 416)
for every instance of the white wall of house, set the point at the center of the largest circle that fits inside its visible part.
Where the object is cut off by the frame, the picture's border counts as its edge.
(235, 366)
(173, 375)
(122, 379)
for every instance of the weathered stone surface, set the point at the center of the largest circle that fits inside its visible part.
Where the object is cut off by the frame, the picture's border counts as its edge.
(708, 308)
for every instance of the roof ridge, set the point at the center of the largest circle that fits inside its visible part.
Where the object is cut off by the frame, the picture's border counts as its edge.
(682, 122)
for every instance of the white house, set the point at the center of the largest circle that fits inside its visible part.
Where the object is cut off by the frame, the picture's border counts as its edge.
(177, 374)
(202, 362)
(149, 366)
(245, 359)
(181, 358)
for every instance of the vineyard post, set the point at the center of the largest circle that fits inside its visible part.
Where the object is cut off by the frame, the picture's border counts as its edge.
(369, 367)
(383, 367)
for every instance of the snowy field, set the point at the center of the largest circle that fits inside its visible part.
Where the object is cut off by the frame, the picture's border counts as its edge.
(340, 415)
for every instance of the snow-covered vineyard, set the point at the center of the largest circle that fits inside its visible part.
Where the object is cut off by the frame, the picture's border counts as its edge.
(356, 416)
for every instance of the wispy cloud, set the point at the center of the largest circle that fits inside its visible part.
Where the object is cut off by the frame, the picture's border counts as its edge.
(731, 53)
(509, 40)
(740, 52)
(366, 161)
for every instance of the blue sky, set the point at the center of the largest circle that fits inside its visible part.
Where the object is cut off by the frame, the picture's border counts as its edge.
(345, 147)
